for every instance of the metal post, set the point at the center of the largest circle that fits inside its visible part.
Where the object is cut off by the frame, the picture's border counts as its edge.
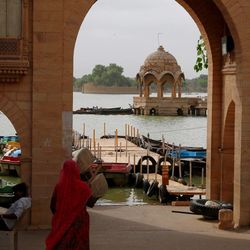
(190, 173)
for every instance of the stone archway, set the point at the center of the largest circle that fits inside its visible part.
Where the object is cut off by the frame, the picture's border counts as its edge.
(215, 20)
(22, 126)
(43, 92)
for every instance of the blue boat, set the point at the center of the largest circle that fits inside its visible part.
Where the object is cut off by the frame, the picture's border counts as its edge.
(188, 154)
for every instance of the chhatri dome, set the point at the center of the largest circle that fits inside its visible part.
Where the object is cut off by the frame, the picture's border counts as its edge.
(161, 60)
(160, 67)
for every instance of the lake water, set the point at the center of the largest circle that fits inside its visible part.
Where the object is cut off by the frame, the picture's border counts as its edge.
(185, 130)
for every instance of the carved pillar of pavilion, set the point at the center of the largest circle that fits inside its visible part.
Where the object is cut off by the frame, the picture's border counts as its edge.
(173, 91)
(179, 88)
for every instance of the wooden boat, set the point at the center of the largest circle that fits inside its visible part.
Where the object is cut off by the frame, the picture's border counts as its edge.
(148, 142)
(10, 165)
(182, 153)
(116, 174)
(154, 145)
(160, 147)
(6, 199)
(104, 111)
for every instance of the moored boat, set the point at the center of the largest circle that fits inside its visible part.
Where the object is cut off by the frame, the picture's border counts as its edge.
(104, 111)
(173, 150)
(10, 162)
(116, 174)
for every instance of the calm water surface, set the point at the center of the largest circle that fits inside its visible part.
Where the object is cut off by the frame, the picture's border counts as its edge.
(189, 131)
(126, 196)
(183, 130)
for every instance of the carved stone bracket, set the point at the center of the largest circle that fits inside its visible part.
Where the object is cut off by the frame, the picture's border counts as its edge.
(12, 71)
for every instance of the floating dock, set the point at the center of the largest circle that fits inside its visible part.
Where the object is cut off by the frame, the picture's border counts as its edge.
(120, 150)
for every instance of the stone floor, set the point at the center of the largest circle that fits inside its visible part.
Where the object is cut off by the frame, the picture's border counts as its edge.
(149, 227)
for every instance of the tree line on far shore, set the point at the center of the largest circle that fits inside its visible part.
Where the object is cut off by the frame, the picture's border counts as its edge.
(112, 75)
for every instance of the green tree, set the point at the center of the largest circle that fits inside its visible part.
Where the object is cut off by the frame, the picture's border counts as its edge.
(111, 75)
(198, 84)
(98, 70)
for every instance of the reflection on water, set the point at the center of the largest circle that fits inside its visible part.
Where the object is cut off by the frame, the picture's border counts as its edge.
(126, 196)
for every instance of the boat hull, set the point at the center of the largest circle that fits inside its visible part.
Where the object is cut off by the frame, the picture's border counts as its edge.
(116, 174)
(10, 165)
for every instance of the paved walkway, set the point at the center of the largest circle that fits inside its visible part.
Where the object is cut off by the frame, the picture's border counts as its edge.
(149, 227)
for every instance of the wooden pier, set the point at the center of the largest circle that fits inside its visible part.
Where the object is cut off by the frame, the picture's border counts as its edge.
(120, 150)
(176, 188)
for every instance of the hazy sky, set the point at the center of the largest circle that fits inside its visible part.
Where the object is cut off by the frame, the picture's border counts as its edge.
(125, 32)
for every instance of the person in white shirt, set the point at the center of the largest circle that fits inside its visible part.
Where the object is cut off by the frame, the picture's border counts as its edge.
(16, 210)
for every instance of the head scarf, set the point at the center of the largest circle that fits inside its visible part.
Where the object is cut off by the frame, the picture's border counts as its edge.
(72, 195)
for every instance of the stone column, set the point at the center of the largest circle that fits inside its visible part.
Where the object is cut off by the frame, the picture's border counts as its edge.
(179, 88)
(146, 90)
(159, 90)
(140, 89)
(173, 91)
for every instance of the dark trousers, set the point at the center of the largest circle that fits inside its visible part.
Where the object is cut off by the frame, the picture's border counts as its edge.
(3, 226)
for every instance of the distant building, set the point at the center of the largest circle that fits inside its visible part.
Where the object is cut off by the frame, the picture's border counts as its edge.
(161, 69)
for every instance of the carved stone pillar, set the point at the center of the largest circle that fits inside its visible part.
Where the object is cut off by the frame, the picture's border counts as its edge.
(140, 89)
(146, 90)
(159, 90)
(174, 91)
(179, 88)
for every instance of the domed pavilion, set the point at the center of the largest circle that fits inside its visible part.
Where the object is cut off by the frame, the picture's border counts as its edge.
(161, 69)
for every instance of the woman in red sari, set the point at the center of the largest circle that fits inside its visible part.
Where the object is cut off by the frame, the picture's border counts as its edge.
(70, 222)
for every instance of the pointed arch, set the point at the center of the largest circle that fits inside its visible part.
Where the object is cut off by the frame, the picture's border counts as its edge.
(19, 121)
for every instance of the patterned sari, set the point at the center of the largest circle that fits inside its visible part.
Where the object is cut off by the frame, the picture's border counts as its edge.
(70, 223)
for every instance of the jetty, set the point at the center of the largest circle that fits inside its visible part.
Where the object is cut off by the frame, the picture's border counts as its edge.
(144, 166)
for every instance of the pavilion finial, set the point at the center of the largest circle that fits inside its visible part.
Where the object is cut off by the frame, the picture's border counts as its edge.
(161, 48)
